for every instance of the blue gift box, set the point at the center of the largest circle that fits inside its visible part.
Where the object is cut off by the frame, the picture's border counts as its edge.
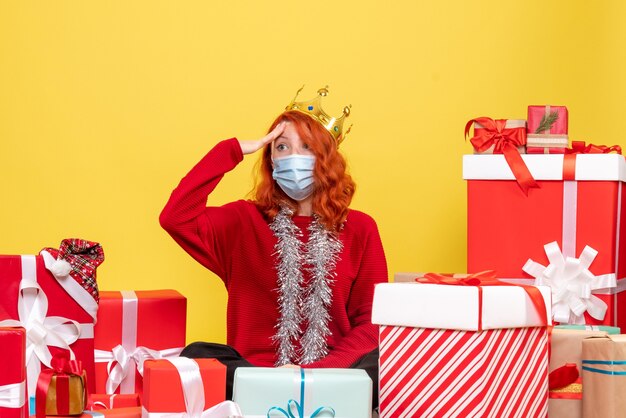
(303, 393)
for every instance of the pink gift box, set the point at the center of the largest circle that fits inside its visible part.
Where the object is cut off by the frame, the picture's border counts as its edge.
(537, 113)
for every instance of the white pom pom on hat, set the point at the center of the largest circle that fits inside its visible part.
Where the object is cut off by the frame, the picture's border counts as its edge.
(61, 268)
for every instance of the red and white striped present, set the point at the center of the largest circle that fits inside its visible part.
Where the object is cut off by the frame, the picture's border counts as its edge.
(462, 351)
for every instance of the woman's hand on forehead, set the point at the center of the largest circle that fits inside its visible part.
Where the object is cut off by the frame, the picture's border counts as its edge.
(250, 147)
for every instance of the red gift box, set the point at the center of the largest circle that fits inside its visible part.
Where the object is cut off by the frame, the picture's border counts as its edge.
(547, 145)
(61, 389)
(134, 326)
(164, 391)
(554, 118)
(56, 307)
(13, 373)
(512, 130)
(98, 401)
(545, 150)
(462, 350)
(578, 207)
(129, 412)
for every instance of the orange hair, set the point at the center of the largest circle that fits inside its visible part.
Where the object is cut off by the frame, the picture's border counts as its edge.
(334, 187)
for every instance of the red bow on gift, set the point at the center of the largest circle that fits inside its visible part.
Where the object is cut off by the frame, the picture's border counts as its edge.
(505, 141)
(563, 376)
(579, 147)
(476, 279)
(487, 278)
(62, 366)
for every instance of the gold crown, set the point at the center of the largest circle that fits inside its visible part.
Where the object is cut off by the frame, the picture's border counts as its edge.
(314, 109)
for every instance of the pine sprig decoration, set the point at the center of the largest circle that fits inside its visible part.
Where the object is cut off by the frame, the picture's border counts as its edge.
(547, 121)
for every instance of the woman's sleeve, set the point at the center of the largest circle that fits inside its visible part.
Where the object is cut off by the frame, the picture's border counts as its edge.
(363, 337)
(201, 230)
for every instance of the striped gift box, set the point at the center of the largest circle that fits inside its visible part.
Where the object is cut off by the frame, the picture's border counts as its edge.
(461, 351)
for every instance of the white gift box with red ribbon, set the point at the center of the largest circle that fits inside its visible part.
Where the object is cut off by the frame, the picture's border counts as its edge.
(579, 207)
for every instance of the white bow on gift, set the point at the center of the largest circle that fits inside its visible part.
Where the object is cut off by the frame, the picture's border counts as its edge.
(193, 392)
(571, 284)
(122, 363)
(41, 331)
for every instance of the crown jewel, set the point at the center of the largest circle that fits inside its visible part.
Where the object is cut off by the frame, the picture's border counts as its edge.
(314, 109)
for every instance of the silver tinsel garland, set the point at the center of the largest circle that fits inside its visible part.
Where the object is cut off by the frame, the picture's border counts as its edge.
(296, 302)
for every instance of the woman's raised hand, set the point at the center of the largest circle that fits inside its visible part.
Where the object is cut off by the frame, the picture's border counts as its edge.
(249, 147)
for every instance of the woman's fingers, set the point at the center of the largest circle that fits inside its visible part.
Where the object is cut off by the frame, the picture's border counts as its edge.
(249, 147)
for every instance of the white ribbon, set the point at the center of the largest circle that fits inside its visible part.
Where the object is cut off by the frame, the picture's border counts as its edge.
(13, 395)
(72, 287)
(124, 358)
(193, 392)
(103, 405)
(122, 364)
(41, 331)
(571, 284)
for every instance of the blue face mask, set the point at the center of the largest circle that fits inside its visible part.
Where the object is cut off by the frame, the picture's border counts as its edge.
(294, 175)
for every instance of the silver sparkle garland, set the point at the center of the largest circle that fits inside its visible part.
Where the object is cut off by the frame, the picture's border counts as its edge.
(288, 249)
(321, 259)
(297, 303)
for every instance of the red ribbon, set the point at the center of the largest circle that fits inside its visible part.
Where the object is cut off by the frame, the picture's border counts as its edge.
(579, 147)
(62, 367)
(488, 278)
(505, 141)
(563, 376)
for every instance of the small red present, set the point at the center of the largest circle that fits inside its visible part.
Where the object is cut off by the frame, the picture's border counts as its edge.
(41, 294)
(545, 150)
(129, 412)
(134, 326)
(98, 401)
(170, 383)
(507, 137)
(512, 131)
(13, 373)
(61, 390)
(547, 120)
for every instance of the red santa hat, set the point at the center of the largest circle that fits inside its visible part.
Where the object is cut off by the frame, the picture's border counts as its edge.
(78, 258)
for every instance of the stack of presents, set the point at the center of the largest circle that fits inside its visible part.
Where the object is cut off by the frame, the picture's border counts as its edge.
(533, 327)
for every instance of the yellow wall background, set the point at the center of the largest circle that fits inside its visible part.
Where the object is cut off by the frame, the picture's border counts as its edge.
(104, 106)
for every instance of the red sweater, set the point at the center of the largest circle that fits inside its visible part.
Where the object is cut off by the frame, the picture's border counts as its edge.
(234, 241)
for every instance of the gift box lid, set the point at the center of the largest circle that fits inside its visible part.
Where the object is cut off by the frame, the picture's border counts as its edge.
(601, 328)
(599, 167)
(437, 306)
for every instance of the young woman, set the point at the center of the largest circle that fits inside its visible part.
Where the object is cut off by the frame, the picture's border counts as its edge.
(298, 265)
